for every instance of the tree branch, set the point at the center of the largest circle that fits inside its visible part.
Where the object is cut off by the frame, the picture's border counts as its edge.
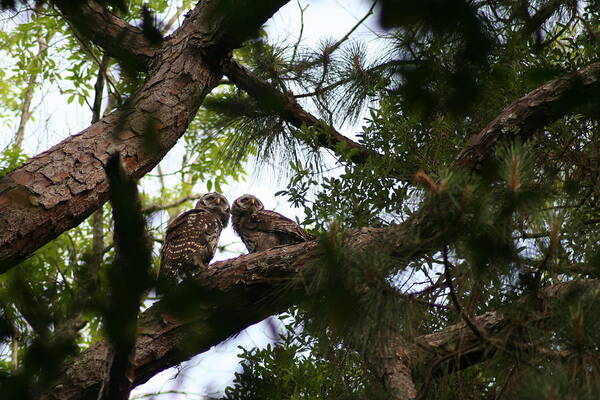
(119, 39)
(57, 189)
(459, 347)
(536, 109)
(155, 208)
(232, 294)
(286, 106)
(520, 119)
(26, 111)
(388, 358)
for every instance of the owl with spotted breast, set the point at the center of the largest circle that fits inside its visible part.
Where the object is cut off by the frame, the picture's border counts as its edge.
(262, 229)
(191, 238)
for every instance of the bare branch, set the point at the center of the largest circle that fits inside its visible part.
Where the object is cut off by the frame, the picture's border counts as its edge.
(155, 208)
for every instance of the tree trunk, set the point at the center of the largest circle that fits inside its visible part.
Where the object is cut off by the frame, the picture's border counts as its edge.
(57, 189)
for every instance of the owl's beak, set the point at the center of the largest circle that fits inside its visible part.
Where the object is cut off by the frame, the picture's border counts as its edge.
(253, 201)
(218, 201)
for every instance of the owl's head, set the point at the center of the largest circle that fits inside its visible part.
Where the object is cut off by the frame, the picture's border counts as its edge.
(246, 204)
(216, 203)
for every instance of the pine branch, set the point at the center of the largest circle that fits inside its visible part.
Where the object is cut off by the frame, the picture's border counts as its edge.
(230, 291)
(289, 110)
(538, 108)
(455, 301)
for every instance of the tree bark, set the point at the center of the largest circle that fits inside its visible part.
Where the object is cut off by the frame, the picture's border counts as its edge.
(538, 108)
(459, 347)
(57, 189)
(233, 296)
(388, 358)
(118, 38)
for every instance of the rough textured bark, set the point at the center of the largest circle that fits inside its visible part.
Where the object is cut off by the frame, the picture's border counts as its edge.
(59, 188)
(533, 111)
(244, 290)
(235, 287)
(119, 39)
(389, 360)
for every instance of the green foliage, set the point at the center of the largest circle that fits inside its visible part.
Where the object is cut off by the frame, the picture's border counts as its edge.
(299, 366)
(10, 158)
(525, 220)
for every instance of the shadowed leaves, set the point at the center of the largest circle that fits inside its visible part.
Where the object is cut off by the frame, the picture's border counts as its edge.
(129, 278)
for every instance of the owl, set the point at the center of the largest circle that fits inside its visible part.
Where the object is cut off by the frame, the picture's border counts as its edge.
(262, 229)
(191, 238)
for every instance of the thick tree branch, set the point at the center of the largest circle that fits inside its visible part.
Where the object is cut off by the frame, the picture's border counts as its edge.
(388, 359)
(118, 38)
(230, 302)
(59, 188)
(532, 112)
(241, 291)
(231, 295)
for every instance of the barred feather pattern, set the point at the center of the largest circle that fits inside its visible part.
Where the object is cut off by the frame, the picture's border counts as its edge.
(261, 229)
(190, 243)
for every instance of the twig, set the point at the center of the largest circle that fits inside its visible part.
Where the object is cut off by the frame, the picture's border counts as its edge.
(355, 27)
(301, 31)
(152, 209)
(347, 80)
(505, 385)
(464, 316)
